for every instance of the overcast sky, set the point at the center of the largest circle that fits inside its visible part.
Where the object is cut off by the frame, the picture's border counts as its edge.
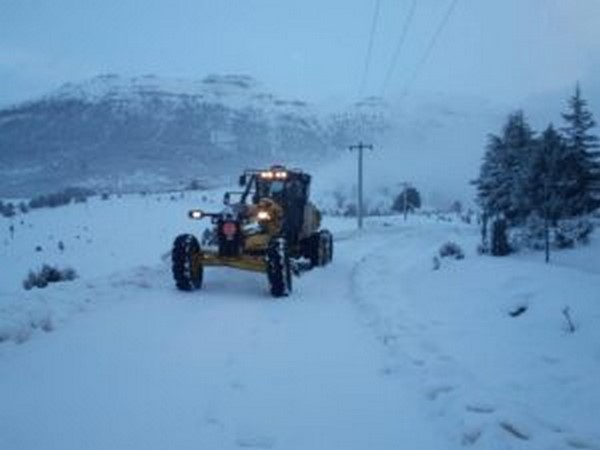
(313, 49)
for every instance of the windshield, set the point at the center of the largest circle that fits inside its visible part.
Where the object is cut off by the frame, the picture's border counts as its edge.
(276, 187)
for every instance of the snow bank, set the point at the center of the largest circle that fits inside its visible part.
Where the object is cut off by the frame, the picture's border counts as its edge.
(489, 338)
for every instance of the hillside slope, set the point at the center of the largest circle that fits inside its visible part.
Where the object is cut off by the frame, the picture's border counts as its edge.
(119, 133)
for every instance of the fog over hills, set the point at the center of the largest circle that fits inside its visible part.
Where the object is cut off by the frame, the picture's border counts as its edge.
(116, 133)
(446, 84)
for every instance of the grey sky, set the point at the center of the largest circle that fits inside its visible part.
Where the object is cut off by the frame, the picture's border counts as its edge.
(314, 49)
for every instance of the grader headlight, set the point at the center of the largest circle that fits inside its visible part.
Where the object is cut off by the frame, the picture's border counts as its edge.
(195, 214)
(263, 216)
(267, 175)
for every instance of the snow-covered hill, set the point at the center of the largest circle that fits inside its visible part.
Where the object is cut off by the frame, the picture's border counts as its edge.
(376, 351)
(149, 133)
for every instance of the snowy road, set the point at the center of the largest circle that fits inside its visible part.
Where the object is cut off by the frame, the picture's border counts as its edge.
(377, 351)
(223, 368)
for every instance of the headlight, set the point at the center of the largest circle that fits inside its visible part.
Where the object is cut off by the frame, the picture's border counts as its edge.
(281, 175)
(263, 215)
(267, 175)
(195, 214)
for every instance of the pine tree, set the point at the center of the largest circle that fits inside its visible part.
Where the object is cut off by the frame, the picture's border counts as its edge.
(504, 168)
(546, 184)
(582, 163)
(412, 197)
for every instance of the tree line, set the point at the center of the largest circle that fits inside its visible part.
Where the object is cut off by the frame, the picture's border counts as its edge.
(553, 175)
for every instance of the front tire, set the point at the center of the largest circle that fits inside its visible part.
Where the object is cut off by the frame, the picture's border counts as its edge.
(186, 259)
(279, 271)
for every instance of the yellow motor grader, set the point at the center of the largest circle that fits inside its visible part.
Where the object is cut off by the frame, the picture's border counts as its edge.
(272, 228)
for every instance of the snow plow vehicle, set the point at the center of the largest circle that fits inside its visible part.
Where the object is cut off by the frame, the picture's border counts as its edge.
(272, 228)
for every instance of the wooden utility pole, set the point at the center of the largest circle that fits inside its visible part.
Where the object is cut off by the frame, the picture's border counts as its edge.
(359, 210)
(546, 222)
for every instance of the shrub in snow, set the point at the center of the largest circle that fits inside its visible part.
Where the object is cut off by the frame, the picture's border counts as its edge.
(482, 249)
(7, 209)
(451, 250)
(565, 234)
(436, 263)
(531, 235)
(77, 195)
(23, 208)
(46, 275)
(456, 207)
(195, 185)
(568, 233)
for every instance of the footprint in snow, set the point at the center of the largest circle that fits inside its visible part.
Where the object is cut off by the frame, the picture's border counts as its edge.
(579, 443)
(255, 441)
(391, 370)
(480, 408)
(435, 392)
(516, 431)
(470, 437)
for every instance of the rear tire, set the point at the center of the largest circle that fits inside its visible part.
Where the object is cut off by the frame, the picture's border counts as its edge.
(320, 248)
(187, 268)
(279, 271)
(326, 243)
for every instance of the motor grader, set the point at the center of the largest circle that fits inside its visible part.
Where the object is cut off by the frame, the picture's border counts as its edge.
(271, 228)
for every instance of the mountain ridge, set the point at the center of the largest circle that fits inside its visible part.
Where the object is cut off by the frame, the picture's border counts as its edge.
(112, 132)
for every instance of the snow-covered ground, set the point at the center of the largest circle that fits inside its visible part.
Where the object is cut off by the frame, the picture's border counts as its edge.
(377, 351)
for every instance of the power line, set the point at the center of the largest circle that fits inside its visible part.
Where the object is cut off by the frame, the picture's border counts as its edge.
(399, 46)
(370, 47)
(430, 47)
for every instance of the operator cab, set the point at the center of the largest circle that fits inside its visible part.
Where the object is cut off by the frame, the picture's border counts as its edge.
(289, 188)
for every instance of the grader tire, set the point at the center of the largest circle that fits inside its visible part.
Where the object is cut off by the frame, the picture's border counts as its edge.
(326, 243)
(279, 271)
(188, 273)
(320, 248)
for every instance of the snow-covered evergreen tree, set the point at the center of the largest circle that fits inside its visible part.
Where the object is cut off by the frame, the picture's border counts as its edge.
(546, 183)
(504, 168)
(582, 164)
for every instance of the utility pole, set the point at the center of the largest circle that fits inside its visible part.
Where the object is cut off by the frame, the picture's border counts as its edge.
(546, 221)
(360, 147)
(551, 190)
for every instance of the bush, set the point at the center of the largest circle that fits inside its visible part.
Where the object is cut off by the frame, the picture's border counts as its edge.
(46, 275)
(568, 233)
(531, 235)
(77, 195)
(7, 209)
(451, 250)
(565, 234)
